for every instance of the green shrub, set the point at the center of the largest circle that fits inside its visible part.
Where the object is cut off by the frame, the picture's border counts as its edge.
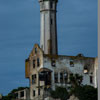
(60, 92)
(85, 92)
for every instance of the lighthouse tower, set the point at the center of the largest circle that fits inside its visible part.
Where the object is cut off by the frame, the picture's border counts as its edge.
(48, 40)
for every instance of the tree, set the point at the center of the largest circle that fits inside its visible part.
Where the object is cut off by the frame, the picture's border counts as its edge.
(85, 92)
(60, 93)
(75, 80)
(11, 95)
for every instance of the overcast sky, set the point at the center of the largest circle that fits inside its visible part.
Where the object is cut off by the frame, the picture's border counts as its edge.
(20, 30)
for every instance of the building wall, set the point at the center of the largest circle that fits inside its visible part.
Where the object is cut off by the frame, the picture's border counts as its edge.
(25, 94)
(96, 72)
(62, 64)
(38, 54)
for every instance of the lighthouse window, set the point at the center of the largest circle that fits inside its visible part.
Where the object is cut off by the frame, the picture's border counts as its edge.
(42, 47)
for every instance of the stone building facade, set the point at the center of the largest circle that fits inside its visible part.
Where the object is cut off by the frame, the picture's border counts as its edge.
(48, 71)
(45, 69)
(22, 94)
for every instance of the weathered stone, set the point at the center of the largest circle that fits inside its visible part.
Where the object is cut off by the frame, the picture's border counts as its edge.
(52, 64)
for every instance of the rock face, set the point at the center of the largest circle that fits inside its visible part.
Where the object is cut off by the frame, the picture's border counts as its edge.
(73, 98)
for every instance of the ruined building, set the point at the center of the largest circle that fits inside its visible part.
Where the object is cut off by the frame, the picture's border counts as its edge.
(45, 68)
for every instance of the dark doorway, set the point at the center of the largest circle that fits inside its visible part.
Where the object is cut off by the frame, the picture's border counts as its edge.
(46, 77)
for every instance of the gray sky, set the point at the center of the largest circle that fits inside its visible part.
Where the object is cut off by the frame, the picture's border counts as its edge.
(20, 30)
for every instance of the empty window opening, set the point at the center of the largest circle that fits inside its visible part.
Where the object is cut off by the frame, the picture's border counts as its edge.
(53, 62)
(33, 93)
(65, 77)
(61, 77)
(72, 63)
(16, 95)
(41, 76)
(38, 62)
(91, 79)
(34, 79)
(85, 69)
(46, 77)
(56, 77)
(42, 47)
(33, 63)
(35, 50)
(38, 91)
(71, 78)
(51, 21)
(22, 94)
(51, 5)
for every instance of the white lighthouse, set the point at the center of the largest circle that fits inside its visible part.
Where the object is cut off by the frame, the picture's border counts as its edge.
(48, 41)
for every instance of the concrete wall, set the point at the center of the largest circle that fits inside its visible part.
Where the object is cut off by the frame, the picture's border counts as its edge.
(63, 64)
(33, 71)
(96, 73)
(26, 94)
